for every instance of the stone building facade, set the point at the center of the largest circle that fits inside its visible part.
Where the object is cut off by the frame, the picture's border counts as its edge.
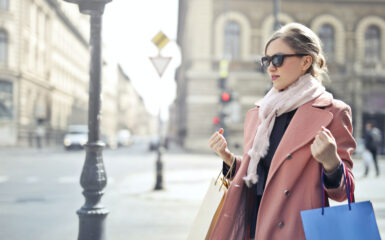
(44, 75)
(43, 71)
(353, 35)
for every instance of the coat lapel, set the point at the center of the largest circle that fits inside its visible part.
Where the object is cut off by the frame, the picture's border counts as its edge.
(304, 126)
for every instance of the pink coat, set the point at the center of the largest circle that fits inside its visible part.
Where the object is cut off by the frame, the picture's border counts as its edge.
(293, 183)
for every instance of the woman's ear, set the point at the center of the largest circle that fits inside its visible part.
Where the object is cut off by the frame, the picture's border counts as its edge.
(307, 62)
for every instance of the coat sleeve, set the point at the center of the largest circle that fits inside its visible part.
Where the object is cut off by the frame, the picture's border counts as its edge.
(342, 130)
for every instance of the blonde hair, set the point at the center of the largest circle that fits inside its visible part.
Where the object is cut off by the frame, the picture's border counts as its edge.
(303, 40)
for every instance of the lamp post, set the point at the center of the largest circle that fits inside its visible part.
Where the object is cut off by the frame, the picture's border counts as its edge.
(93, 178)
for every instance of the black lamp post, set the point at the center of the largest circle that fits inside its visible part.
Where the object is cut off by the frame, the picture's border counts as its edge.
(93, 178)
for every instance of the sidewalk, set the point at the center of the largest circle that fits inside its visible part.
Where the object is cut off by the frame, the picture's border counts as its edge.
(186, 179)
(166, 214)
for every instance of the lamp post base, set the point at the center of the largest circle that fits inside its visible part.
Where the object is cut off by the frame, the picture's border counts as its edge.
(91, 223)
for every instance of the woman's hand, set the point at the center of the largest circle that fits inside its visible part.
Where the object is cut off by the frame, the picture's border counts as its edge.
(324, 150)
(218, 143)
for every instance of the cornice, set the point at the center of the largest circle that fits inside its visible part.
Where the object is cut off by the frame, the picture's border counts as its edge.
(54, 4)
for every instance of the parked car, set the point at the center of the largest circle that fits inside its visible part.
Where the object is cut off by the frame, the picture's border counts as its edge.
(76, 137)
(154, 143)
(124, 138)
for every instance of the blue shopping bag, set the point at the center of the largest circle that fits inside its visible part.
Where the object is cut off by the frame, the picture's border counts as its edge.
(353, 221)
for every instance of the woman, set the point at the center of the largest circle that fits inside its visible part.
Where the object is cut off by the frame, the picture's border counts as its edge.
(297, 132)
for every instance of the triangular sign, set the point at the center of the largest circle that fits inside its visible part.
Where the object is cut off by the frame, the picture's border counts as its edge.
(160, 63)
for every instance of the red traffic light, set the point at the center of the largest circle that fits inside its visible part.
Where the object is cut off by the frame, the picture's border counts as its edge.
(216, 120)
(225, 97)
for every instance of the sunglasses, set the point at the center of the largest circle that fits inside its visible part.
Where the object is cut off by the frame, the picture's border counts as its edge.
(278, 59)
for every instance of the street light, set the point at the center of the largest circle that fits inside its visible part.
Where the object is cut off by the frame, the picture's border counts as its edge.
(93, 178)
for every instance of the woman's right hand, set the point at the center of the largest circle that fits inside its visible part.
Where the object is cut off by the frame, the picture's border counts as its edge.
(218, 143)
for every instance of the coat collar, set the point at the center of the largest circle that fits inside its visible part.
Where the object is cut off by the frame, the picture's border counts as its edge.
(323, 100)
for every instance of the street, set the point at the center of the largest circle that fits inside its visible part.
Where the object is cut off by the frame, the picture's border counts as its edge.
(40, 193)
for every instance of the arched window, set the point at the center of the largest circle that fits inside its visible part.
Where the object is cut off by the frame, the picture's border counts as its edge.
(327, 35)
(232, 40)
(3, 47)
(372, 44)
(6, 100)
(3, 4)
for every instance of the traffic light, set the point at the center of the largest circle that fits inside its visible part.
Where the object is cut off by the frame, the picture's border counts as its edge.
(216, 120)
(225, 97)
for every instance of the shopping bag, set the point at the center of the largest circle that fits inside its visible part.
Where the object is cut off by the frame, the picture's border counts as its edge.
(210, 208)
(353, 221)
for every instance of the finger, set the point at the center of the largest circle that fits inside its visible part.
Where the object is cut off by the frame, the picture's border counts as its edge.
(212, 138)
(317, 138)
(314, 150)
(215, 139)
(220, 145)
(214, 143)
(218, 139)
(327, 131)
(218, 148)
(221, 130)
(316, 142)
(223, 146)
(323, 136)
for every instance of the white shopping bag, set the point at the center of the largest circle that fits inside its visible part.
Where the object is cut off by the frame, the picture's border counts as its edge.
(209, 206)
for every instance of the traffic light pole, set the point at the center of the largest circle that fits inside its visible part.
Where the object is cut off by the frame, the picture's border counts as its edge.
(159, 163)
(160, 63)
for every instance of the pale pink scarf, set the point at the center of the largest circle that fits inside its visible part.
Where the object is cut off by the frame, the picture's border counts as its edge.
(274, 104)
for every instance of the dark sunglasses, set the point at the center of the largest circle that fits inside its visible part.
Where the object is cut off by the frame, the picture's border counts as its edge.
(278, 59)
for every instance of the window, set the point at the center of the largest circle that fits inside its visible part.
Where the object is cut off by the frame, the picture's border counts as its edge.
(327, 35)
(6, 100)
(3, 4)
(3, 47)
(372, 44)
(232, 40)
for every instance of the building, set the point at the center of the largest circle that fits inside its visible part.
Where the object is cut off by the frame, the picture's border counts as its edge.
(44, 76)
(133, 114)
(42, 82)
(353, 35)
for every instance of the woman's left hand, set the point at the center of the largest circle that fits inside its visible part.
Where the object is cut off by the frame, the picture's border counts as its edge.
(324, 150)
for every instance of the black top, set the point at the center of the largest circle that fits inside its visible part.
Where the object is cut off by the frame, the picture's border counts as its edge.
(281, 123)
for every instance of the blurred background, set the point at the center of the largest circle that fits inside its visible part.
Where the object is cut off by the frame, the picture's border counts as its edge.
(213, 78)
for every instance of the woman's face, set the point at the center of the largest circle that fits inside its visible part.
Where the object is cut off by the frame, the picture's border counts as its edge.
(290, 70)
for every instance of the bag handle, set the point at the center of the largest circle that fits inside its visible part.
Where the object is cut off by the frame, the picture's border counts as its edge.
(224, 179)
(347, 188)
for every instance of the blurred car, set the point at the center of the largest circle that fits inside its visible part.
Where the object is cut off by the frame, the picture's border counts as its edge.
(76, 137)
(124, 138)
(154, 143)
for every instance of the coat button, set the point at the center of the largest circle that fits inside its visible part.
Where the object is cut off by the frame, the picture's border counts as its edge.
(286, 192)
(281, 224)
(289, 156)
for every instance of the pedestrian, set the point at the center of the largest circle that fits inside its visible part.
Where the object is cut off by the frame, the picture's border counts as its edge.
(372, 140)
(296, 133)
(40, 132)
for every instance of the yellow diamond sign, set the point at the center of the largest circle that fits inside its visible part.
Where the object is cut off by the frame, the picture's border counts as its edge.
(160, 40)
